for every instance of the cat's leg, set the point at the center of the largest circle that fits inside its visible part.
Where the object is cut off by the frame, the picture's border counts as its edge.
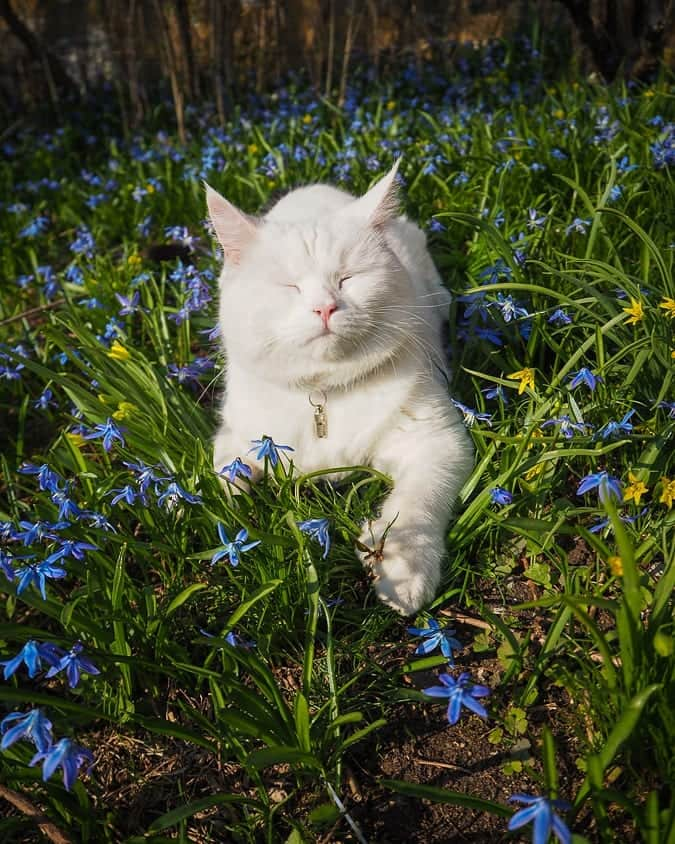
(428, 465)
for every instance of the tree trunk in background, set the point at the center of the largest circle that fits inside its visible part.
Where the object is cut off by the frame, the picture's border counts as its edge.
(58, 80)
(623, 34)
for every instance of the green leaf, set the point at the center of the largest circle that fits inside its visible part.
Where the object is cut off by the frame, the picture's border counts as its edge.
(283, 755)
(175, 816)
(183, 596)
(443, 795)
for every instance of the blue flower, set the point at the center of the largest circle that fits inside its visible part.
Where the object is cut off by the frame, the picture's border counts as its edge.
(534, 220)
(317, 529)
(237, 468)
(500, 497)
(44, 400)
(37, 574)
(237, 641)
(233, 550)
(47, 478)
(36, 227)
(460, 692)
(669, 406)
(434, 636)
(32, 532)
(566, 426)
(72, 548)
(606, 485)
(495, 392)
(560, 317)
(126, 493)
(145, 475)
(612, 428)
(540, 810)
(508, 308)
(64, 754)
(129, 304)
(6, 564)
(32, 654)
(84, 243)
(73, 663)
(33, 725)
(108, 431)
(470, 415)
(584, 376)
(578, 225)
(268, 448)
(67, 507)
(174, 491)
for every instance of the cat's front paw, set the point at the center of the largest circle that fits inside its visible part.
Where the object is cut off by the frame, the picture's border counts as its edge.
(405, 567)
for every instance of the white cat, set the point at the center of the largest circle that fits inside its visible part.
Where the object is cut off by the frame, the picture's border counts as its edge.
(335, 300)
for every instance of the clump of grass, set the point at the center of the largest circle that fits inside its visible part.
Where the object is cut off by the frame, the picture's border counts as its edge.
(548, 222)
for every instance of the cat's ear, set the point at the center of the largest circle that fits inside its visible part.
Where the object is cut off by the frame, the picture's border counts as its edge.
(381, 203)
(234, 229)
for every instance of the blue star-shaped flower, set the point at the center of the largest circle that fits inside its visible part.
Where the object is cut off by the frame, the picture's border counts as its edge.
(73, 663)
(37, 574)
(317, 529)
(32, 654)
(566, 426)
(174, 491)
(33, 725)
(540, 810)
(233, 550)
(268, 448)
(606, 485)
(434, 636)
(584, 376)
(237, 468)
(64, 754)
(500, 497)
(613, 428)
(109, 432)
(460, 692)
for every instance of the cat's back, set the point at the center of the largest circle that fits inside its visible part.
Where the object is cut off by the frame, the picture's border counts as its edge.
(308, 203)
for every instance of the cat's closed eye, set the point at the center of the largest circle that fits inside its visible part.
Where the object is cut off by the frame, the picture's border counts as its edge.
(342, 280)
(294, 286)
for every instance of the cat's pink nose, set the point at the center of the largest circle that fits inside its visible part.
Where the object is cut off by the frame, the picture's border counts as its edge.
(325, 312)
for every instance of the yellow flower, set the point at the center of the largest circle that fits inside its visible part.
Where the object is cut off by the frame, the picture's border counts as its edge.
(668, 306)
(76, 439)
(391, 105)
(307, 119)
(118, 352)
(134, 261)
(559, 113)
(636, 312)
(526, 377)
(271, 184)
(252, 149)
(648, 93)
(150, 188)
(532, 473)
(667, 492)
(635, 489)
(124, 409)
(615, 566)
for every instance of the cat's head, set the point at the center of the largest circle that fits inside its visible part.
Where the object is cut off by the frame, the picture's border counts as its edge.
(313, 297)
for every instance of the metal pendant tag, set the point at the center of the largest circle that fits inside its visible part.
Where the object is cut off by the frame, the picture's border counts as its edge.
(320, 422)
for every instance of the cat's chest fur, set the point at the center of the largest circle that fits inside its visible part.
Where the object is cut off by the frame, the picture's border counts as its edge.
(356, 417)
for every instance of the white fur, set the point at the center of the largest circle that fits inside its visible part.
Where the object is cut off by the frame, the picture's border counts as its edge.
(379, 364)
